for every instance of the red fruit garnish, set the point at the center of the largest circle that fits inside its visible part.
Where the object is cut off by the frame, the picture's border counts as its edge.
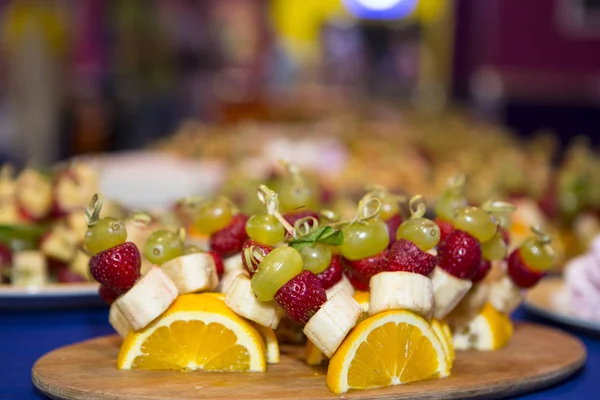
(404, 255)
(264, 250)
(520, 273)
(445, 228)
(107, 295)
(218, 263)
(460, 255)
(482, 272)
(301, 297)
(333, 273)
(293, 216)
(392, 225)
(360, 271)
(65, 275)
(505, 235)
(118, 267)
(229, 240)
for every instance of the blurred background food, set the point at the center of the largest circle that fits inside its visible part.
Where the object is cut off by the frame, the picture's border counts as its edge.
(164, 99)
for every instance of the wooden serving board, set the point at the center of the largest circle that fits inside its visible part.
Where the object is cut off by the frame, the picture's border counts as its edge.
(536, 357)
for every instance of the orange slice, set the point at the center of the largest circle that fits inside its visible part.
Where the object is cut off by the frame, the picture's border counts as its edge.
(312, 355)
(271, 343)
(389, 348)
(197, 332)
(490, 330)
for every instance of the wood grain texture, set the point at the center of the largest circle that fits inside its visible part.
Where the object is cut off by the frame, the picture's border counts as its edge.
(536, 357)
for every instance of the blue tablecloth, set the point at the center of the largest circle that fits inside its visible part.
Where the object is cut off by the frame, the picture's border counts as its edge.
(27, 335)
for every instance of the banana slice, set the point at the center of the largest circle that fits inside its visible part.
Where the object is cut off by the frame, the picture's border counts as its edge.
(344, 284)
(147, 299)
(29, 269)
(118, 321)
(330, 325)
(241, 299)
(448, 291)
(192, 273)
(228, 279)
(59, 244)
(469, 307)
(505, 296)
(80, 264)
(401, 291)
(233, 263)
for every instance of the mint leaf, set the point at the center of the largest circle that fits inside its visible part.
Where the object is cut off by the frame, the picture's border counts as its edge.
(323, 234)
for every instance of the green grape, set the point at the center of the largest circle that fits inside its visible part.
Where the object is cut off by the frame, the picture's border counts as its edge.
(366, 239)
(104, 234)
(476, 222)
(274, 271)
(316, 258)
(191, 249)
(389, 206)
(448, 203)
(423, 232)
(163, 245)
(213, 216)
(537, 255)
(293, 197)
(495, 248)
(265, 229)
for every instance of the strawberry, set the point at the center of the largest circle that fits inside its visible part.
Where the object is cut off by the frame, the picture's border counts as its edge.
(65, 275)
(301, 297)
(404, 255)
(218, 263)
(263, 249)
(392, 225)
(460, 255)
(360, 271)
(229, 240)
(482, 272)
(107, 294)
(522, 275)
(293, 216)
(445, 228)
(333, 273)
(118, 268)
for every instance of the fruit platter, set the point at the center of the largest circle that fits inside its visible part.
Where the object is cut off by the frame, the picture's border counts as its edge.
(388, 299)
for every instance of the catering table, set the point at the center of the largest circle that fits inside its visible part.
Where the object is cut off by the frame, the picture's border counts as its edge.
(27, 335)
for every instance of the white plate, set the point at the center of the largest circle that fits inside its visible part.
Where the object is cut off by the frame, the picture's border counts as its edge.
(550, 299)
(152, 180)
(50, 296)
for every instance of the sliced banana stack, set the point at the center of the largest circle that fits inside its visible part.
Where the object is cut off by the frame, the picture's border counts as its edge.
(330, 325)
(401, 291)
(448, 291)
(29, 268)
(118, 321)
(192, 273)
(344, 284)
(505, 296)
(147, 299)
(241, 299)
